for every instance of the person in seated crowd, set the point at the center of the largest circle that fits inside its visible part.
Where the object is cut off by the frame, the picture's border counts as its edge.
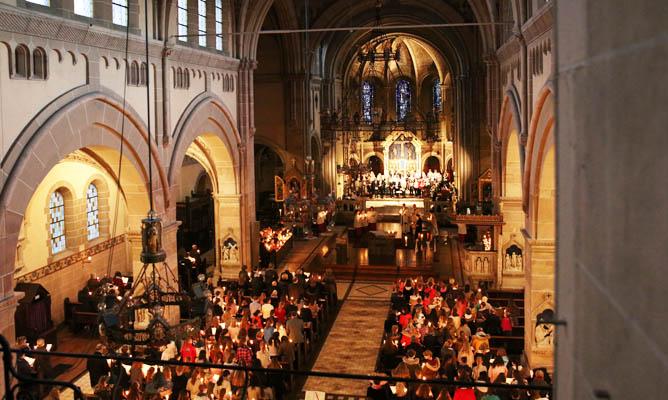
(428, 337)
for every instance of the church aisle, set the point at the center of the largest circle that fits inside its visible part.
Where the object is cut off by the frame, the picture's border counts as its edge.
(353, 343)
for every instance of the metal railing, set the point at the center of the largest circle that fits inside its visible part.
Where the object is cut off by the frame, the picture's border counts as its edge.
(15, 381)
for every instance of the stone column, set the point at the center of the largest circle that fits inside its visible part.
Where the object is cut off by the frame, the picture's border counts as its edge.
(297, 121)
(134, 251)
(513, 219)
(169, 230)
(246, 170)
(463, 132)
(229, 219)
(492, 117)
(497, 172)
(538, 296)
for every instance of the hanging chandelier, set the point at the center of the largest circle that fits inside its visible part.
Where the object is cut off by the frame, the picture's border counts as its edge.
(148, 313)
(369, 52)
(138, 317)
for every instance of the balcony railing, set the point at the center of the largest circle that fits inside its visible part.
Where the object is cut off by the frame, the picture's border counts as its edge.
(17, 385)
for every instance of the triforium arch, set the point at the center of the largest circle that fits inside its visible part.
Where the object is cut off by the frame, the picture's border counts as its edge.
(508, 159)
(540, 131)
(540, 226)
(92, 120)
(207, 133)
(512, 152)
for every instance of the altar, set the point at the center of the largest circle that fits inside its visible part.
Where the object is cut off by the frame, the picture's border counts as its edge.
(395, 202)
(403, 153)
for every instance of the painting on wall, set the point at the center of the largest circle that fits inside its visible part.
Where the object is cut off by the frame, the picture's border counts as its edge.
(279, 189)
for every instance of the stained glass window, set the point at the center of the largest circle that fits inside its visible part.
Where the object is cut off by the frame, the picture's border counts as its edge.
(92, 212)
(182, 19)
(57, 222)
(367, 102)
(403, 98)
(119, 12)
(84, 7)
(219, 25)
(201, 22)
(436, 97)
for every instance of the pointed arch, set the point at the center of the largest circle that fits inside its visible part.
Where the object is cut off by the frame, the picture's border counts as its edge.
(540, 134)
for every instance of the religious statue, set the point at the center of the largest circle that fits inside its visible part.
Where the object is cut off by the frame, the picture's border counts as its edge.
(234, 253)
(153, 240)
(544, 335)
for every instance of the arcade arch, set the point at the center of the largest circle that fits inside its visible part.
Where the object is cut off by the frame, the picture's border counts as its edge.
(118, 211)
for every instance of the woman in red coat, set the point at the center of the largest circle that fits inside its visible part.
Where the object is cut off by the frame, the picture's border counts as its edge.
(188, 351)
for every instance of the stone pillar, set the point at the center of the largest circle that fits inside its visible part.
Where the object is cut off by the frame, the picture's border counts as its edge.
(497, 172)
(246, 170)
(463, 155)
(102, 10)
(492, 117)
(7, 327)
(172, 313)
(134, 250)
(297, 122)
(513, 219)
(538, 296)
(229, 219)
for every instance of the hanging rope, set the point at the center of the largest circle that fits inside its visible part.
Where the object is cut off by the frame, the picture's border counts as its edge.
(149, 138)
(120, 155)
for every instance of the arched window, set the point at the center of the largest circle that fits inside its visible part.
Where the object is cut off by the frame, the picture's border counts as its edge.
(182, 19)
(39, 63)
(57, 222)
(119, 12)
(143, 74)
(22, 61)
(84, 8)
(92, 212)
(436, 96)
(186, 78)
(403, 99)
(231, 83)
(366, 99)
(219, 24)
(201, 22)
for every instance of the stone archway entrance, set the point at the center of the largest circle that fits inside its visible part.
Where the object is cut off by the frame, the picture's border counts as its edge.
(375, 163)
(208, 205)
(97, 139)
(432, 163)
(194, 208)
(268, 164)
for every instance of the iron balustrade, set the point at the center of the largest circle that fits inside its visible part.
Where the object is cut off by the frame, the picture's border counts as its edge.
(10, 371)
